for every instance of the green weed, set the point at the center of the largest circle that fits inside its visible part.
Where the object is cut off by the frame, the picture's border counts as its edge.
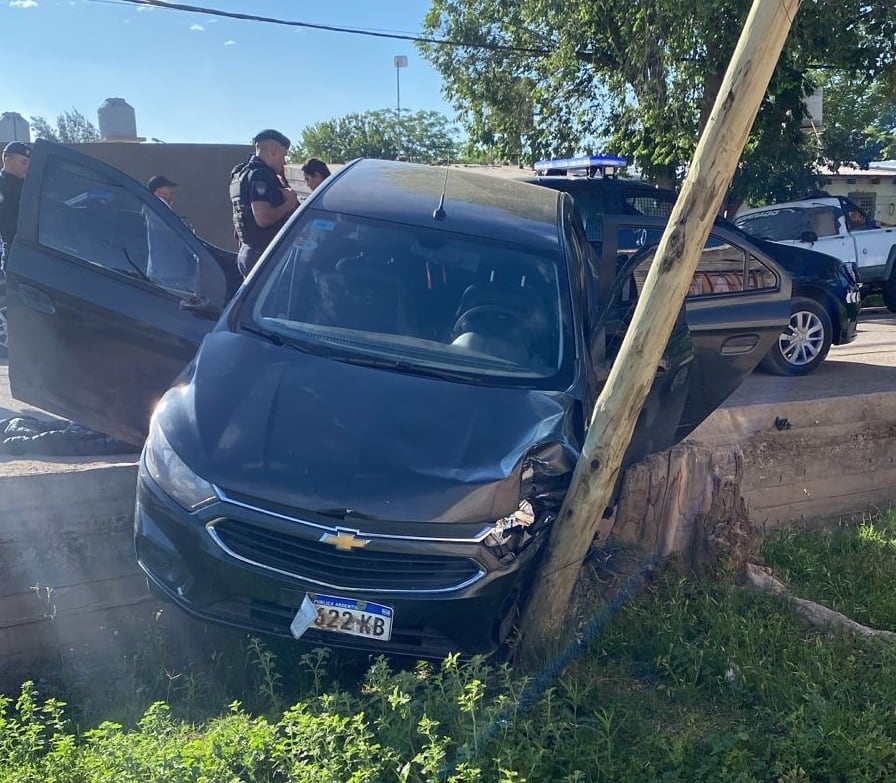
(690, 680)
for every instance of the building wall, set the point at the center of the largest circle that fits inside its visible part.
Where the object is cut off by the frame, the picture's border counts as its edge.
(201, 171)
(878, 185)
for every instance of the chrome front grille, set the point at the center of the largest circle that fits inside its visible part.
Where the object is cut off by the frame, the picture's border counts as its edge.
(367, 569)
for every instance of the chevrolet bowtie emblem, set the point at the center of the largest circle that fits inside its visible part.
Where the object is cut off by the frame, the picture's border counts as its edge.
(345, 540)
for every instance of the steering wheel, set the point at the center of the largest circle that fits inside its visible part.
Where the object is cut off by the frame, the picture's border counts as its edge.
(496, 321)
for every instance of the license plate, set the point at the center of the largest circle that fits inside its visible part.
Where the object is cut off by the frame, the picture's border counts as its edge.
(352, 617)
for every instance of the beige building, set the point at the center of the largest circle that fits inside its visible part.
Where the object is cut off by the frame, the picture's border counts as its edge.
(873, 189)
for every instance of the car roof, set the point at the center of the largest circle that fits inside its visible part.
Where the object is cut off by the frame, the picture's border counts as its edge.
(560, 182)
(475, 204)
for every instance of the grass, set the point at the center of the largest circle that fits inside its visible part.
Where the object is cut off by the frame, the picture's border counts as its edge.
(690, 680)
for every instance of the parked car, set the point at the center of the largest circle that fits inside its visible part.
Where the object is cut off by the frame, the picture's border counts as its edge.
(836, 226)
(826, 297)
(368, 445)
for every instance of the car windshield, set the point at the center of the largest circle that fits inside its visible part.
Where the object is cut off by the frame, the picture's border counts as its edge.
(416, 300)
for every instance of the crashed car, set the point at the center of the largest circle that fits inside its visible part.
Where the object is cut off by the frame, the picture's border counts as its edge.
(825, 291)
(367, 445)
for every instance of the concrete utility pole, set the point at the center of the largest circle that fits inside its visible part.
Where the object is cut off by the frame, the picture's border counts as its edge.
(620, 402)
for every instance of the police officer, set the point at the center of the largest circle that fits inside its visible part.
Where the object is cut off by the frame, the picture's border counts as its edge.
(16, 156)
(261, 203)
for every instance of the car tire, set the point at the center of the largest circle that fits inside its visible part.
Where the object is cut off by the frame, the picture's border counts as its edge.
(805, 343)
(888, 291)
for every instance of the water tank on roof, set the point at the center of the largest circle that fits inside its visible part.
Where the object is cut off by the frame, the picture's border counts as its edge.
(117, 119)
(14, 127)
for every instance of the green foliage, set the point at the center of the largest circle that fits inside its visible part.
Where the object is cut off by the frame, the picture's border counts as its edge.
(693, 680)
(859, 119)
(423, 136)
(538, 79)
(71, 127)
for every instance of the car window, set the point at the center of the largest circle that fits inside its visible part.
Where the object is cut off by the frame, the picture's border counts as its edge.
(658, 205)
(583, 260)
(722, 269)
(425, 298)
(791, 223)
(100, 222)
(592, 207)
(856, 219)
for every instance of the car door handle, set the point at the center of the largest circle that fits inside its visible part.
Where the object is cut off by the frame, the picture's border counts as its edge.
(36, 300)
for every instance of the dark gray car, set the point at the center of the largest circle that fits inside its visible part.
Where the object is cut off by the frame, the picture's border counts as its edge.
(368, 445)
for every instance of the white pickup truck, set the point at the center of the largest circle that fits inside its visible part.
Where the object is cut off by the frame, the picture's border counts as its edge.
(836, 226)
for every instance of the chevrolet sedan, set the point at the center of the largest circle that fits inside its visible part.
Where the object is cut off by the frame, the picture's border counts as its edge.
(368, 443)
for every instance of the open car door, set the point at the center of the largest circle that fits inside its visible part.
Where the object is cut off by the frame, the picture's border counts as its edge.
(109, 294)
(737, 306)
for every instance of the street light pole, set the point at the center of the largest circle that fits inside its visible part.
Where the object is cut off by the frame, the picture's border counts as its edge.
(401, 61)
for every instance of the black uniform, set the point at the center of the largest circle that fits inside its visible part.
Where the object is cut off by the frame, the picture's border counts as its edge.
(10, 195)
(252, 181)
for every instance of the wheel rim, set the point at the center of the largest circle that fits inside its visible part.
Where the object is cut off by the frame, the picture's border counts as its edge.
(3, 340)
(802, 341)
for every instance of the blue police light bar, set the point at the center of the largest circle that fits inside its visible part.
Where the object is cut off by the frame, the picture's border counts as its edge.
(590, 162)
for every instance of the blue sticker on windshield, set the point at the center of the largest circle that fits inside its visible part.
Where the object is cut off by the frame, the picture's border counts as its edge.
(321, 224)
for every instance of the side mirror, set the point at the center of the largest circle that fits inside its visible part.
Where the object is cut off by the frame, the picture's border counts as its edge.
(809, 236)
(200, 306)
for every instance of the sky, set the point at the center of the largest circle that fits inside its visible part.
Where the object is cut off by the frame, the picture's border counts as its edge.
(191, 77)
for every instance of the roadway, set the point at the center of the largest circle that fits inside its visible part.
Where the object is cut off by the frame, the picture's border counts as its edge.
(866, 366)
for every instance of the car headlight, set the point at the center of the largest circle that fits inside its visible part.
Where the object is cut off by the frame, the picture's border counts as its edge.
(171, 473)
(511, 534)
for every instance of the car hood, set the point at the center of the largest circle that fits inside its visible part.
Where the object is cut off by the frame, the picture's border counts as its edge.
(306, 432)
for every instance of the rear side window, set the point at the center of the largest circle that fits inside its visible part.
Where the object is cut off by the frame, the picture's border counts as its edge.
(723, 268)
(659, 205)
(99, 222)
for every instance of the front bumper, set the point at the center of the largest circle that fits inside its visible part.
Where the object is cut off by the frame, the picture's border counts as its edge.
(446, 595)
(848, 309)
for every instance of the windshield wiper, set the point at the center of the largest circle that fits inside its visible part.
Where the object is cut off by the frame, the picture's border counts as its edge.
(402, 366)
(269, 336)
(138, 272)
(285, 341)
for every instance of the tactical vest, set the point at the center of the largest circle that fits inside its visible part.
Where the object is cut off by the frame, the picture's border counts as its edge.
(247, 230)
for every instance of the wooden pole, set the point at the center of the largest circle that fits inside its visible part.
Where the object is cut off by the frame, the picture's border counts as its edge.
(631, 376)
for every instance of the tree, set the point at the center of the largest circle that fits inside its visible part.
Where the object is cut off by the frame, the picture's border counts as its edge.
(423, 136)
(72, 127)
(859, 119)
(640, 79)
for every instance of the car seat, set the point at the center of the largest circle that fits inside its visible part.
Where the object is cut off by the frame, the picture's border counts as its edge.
(371, 296)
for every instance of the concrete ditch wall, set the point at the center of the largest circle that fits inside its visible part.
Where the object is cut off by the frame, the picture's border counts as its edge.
(71, 595)
(70, 589)
(811, 459)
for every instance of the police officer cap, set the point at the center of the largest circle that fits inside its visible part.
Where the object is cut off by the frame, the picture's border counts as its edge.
(159, 181)
(273, 135)
(17, 148)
